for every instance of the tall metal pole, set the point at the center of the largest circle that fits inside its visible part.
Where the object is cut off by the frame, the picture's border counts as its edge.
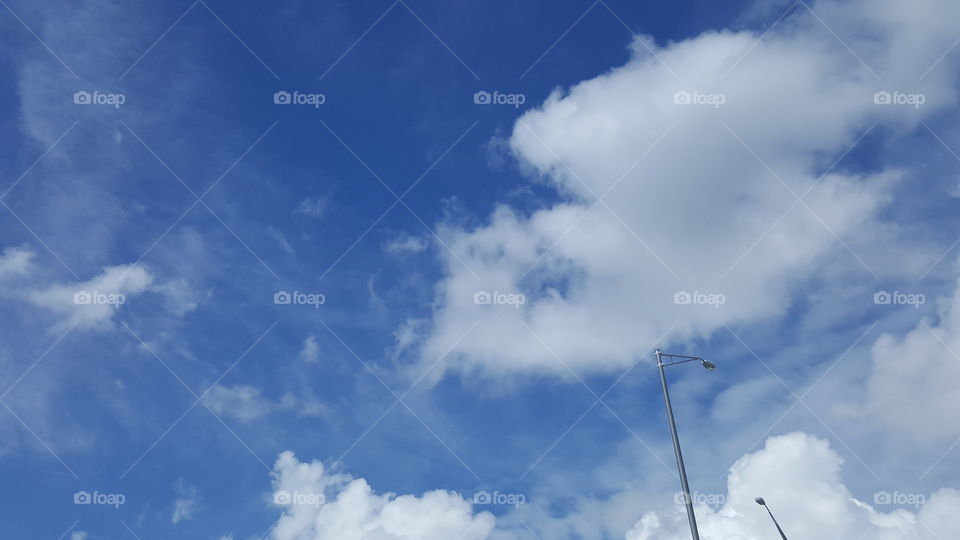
(687, 499)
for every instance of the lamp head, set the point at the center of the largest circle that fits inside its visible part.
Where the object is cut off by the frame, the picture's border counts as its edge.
(708, 364)
(760, 501)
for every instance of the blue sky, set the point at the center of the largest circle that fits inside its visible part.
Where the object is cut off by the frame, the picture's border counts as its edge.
(798, 201)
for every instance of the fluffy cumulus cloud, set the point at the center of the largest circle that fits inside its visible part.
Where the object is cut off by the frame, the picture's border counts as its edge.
(913, 388)
(799, 477)
(318, 505)
(798, 474)
(681, 214)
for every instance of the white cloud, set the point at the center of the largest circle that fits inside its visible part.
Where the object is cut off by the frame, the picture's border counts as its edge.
(799, 477)
(92, 303)
(310, 351)
(690, 202)
(15, 261)
(337, 506)
(374, 299)
(407, 334)
(242, 402)
(180, 296)
(78, 535)
(281, 240)
(912, 389)
(188, 502)
(313, 206)
(405, 243)
(955, 190)
(246, 403)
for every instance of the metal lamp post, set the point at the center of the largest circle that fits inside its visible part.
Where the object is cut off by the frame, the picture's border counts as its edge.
(763, 503)
(687, 499)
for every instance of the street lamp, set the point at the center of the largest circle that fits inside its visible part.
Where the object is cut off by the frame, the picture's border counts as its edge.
(763, 503)
(673, 430)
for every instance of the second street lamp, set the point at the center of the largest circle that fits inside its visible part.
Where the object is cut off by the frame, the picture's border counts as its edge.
(763, 503)
(673, 429)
